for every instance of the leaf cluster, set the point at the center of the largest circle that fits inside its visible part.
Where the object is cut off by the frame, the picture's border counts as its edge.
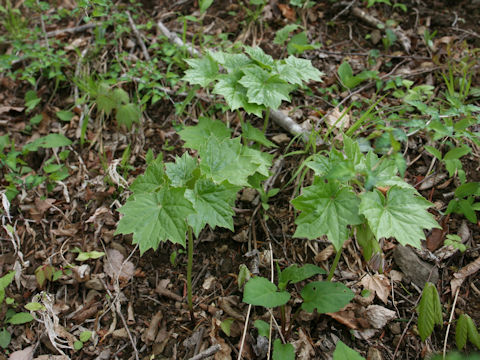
(253, 80)
(353, 189)
(193, 190)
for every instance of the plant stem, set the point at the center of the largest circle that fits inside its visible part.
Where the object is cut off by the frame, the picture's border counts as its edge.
(189, 271)
(265, 122)
(334, 265)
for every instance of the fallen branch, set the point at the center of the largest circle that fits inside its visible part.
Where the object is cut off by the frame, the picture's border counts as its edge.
(176, 40)
(207, 352)
(372, 20)
(138, 36)
(70, 30)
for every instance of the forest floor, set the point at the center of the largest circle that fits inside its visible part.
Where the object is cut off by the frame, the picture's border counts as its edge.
(94, 291)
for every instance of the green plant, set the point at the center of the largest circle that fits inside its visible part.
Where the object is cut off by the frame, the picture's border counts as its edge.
(466, 330)
(343, 352)
(345, 73)
(464, 201)
(452, 160)
(18, 173)
(429, 311)
(455, 241)
(351, 189)
(83, 338)
(176, 198)
(255, 82)
(11, 316)
(323, 296)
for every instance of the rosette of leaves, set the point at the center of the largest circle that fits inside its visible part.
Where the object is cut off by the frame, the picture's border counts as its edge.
(252, 81)
(175, 198)
(352, 189)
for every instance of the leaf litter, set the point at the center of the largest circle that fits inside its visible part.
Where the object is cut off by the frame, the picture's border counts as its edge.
(78, 212)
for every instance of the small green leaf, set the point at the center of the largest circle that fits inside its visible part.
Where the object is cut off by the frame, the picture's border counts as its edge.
(5, 338)
(401, 214)
(128, 114)
(264, 88)
(297, 71)
(243, 275)
(343, 352)
(195, 136)
(282, 35)
(294, 274)
(65, 115)
(104, 99)
(83, 256)
(49, 141)
(153, 178)
(467, 210)
(226, 325)
(263, 328)
(327, 209)
(85, 336)
(457, 153)
(283, 351)
(464, 190)
(181, 171)
(213, 205)
(120, 96)
(34, 306)
(473, 335)
(434, 152)
(429, 311)
(325, 296)
(77, 345)
(202, 71)
(156, 217)
(461, 331)
(6, 280)
(20, 318)
(257, 55)
(252, 133)
(262, 292)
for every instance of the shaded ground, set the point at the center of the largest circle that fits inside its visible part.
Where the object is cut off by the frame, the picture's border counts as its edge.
(81, 213)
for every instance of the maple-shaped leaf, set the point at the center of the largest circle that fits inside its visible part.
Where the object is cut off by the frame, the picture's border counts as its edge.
(382, 172)
(233, 62)
(326, 209)
(235, 94)
(104, 98)
(156, 217)
(213, 204)
(202, 71)
(296, 71)
(259, 56)
(181, 171)
(223, 160)
(262, 159)
(128, 114)
(152, 179)
(264, 88)
(194, 136)
(401, 214)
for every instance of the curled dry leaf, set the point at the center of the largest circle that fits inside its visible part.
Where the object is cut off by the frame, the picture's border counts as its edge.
(465, 272)
(378, 316)
(341, 120)
(379, 284)
(325, 254)
(25, 354)
(303, 346)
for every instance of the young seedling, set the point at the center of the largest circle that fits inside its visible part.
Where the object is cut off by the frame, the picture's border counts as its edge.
(351, 189)
(178, 198)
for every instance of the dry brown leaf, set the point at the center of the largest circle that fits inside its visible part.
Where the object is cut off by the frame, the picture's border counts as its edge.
(25, 354)
(379, 284)
(5, 109)
(378, 316)
(325, 254)
(287, 11)
(303, 347)
(464, 272)
(341, 120)
(115, 267)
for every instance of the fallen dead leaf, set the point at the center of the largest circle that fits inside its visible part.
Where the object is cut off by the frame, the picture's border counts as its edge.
(25, 354)
(378, 316)
(341, 120)
(464, 272)
(115, 267)
(303, 346)
(379, 284)
(5, 109)
(287, 12)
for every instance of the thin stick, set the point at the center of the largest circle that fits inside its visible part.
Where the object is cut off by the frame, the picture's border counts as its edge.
(450, 323)
(244, 332)
(70, 30)
(176, 40)
(207, 352)
(138, 36)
